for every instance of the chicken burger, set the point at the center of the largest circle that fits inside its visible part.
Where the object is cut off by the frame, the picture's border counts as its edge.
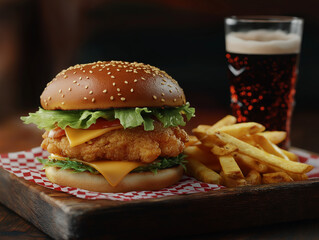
(113, 127)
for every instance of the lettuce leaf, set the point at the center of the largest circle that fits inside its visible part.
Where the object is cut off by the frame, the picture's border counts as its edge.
(77, 167)
(129, 117)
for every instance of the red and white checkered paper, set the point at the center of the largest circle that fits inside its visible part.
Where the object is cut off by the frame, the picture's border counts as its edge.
(25, 165)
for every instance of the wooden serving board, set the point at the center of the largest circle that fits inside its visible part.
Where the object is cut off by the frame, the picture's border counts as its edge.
(63, 216)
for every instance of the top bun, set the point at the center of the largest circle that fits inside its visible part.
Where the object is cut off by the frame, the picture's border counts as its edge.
(112, 84)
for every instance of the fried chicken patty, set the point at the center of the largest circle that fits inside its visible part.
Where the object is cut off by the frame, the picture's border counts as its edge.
(123, 145)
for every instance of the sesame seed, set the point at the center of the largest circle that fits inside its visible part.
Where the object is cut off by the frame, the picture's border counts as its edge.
(62, 103)
(163, 100)
(62, 95)
(118, 89)
(154, 97)
(118, 70)
(60, 90)
(70, 89)
(112, 76)
(143, 78)
(93, 99)
(87, 77)
(112, 98)
(113, 84)
(74, 72)
(126, 82)
(107, 69)
(80, 78)
(49, 98)
(170, 91)
(163, 94)
(84, 71)
(162, 83)
(85, 98)
(86, 87)
(74, 81)
(90, 71)
(122, 99)
(132, 90)
(104, 91)
(100, 69)
(91, 92)
(65, 76)
(78, 84)
(174, 99)
(135, 80)
(46, 104)
(119, 94)
(108, 73)
(44, 100)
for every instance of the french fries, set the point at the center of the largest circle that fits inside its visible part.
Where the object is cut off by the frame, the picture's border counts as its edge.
(205, 157)
(202, 173)
(276, 177)
(240, 154)
(264, 157)
(253, 178)
(274, 136)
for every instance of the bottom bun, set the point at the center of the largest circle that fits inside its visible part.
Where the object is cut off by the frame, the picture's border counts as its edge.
(132, 182)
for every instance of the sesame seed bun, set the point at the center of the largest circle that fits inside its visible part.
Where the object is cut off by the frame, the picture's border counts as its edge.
(145, 181)
(113, 84)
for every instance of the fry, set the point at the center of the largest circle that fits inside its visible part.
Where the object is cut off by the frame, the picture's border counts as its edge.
(276, 177)
(230, 167)
(274, 136)
(237, 130)
(205, 157)
(202, 173)
(226, 121)
(240, 129)
(268, 146)
(294, 176)
(264, 157)
(229, 182)
(209, 140)
(293, 157)
(224, 150)
(193, 140)
(253, 178)
(250, 163)
(200, 131)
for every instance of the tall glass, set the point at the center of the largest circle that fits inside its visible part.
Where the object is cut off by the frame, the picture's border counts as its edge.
(262, 55)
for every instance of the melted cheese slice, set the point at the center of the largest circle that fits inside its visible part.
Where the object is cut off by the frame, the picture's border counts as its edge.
(112, 171)
(79, 136)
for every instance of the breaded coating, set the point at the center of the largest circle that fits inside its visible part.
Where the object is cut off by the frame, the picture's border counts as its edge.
(123, 145)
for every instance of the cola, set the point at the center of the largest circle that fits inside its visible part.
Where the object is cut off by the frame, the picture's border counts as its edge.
(262, 78)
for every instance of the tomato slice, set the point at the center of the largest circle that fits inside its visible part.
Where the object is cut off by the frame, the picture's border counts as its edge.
(56, 133)
(103, 123)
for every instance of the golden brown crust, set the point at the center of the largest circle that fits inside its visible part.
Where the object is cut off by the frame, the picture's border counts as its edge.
(123, 145)
(146, 181)
(113, 84)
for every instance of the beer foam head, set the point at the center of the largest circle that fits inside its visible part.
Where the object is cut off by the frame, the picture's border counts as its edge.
(263, 42)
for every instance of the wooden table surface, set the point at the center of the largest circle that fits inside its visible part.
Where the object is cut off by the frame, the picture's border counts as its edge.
(15, 136)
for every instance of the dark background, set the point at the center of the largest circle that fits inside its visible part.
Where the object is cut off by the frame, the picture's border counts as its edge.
(183, 37)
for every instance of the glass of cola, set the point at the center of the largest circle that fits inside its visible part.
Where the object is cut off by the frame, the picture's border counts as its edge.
(262, 54)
